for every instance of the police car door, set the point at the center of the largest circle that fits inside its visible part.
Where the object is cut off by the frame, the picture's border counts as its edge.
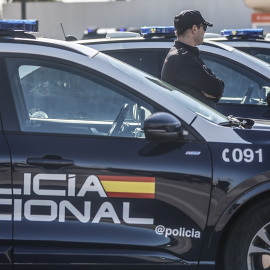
(93, 189)
(6, 192)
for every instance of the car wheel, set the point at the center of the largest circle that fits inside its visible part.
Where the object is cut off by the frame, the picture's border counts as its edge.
(248, 243)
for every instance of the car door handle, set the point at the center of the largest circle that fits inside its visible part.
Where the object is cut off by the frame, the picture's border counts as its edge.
(52, 162)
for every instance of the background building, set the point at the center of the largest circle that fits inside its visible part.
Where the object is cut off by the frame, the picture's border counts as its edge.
(261, 15)
(76, 17)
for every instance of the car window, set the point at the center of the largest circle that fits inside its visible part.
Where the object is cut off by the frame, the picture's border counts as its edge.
(261, 53)
(55, 98)
(241, 85)
(148, 61)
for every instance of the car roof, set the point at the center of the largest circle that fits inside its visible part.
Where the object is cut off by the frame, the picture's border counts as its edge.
(53, 43)
(250, 36)
(108, 40)
(22, 32)
(133, 42)
(237, 42)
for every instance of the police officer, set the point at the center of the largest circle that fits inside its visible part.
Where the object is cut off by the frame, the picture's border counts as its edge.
(183, 67)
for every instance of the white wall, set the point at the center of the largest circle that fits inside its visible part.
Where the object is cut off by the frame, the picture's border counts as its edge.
(76, 17)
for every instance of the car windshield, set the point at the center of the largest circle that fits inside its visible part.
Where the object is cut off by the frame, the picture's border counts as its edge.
(254, 58)
(175, 94)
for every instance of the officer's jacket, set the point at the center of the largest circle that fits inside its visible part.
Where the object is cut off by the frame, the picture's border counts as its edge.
(184, 69)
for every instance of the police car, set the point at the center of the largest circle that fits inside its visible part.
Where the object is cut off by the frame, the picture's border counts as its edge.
(247, 81)
(250, 41)
(106, 167)
(95, 32)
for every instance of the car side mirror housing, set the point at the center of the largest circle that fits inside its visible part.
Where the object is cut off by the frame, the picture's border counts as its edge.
(162, 126)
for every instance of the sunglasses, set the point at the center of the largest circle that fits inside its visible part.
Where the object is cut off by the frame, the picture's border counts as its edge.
(204, 26)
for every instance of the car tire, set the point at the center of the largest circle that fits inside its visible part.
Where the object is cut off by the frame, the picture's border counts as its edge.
(247, 246)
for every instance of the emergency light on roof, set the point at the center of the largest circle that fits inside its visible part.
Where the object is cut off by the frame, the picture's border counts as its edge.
(158, 31)
(19, 25)
(242, 33)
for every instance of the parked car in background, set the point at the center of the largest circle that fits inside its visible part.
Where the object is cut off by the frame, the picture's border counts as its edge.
(247, 80)
(95, 32)
(250, 41)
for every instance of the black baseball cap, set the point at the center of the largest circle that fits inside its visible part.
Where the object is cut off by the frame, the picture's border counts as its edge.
(187, 18)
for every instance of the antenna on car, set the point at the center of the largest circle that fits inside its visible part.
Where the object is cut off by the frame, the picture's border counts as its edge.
(67, 38)
(63, 31)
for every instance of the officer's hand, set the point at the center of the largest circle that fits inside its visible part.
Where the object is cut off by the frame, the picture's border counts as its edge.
(207, 95)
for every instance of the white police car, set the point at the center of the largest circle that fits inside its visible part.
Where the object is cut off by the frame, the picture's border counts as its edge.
(247, 80)
(250, 41)
(95, 32)
(103, 166)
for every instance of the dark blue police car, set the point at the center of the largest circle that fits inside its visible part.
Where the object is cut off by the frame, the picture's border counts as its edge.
(106, 167)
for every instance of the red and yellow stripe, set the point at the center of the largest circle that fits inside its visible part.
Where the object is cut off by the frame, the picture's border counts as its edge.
(128, 186)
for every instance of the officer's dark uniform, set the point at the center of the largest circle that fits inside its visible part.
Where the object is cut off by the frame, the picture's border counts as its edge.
(184, 69)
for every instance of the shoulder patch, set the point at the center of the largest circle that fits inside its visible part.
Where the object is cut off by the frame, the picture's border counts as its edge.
(182, 51)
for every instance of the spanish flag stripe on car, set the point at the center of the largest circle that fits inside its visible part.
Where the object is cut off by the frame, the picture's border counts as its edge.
(131, 195)
(128, 186)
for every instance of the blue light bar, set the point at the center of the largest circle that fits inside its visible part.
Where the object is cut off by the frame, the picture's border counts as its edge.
(122, 29)
(158, 31)
(242, 32)
(19, 25)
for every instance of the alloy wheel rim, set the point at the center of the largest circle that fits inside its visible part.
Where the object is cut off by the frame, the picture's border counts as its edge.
(258, 256)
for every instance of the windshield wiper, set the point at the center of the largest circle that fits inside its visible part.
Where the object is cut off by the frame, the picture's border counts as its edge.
(238, 122)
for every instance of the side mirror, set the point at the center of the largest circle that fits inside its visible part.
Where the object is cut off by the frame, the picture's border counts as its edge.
(162, 126)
